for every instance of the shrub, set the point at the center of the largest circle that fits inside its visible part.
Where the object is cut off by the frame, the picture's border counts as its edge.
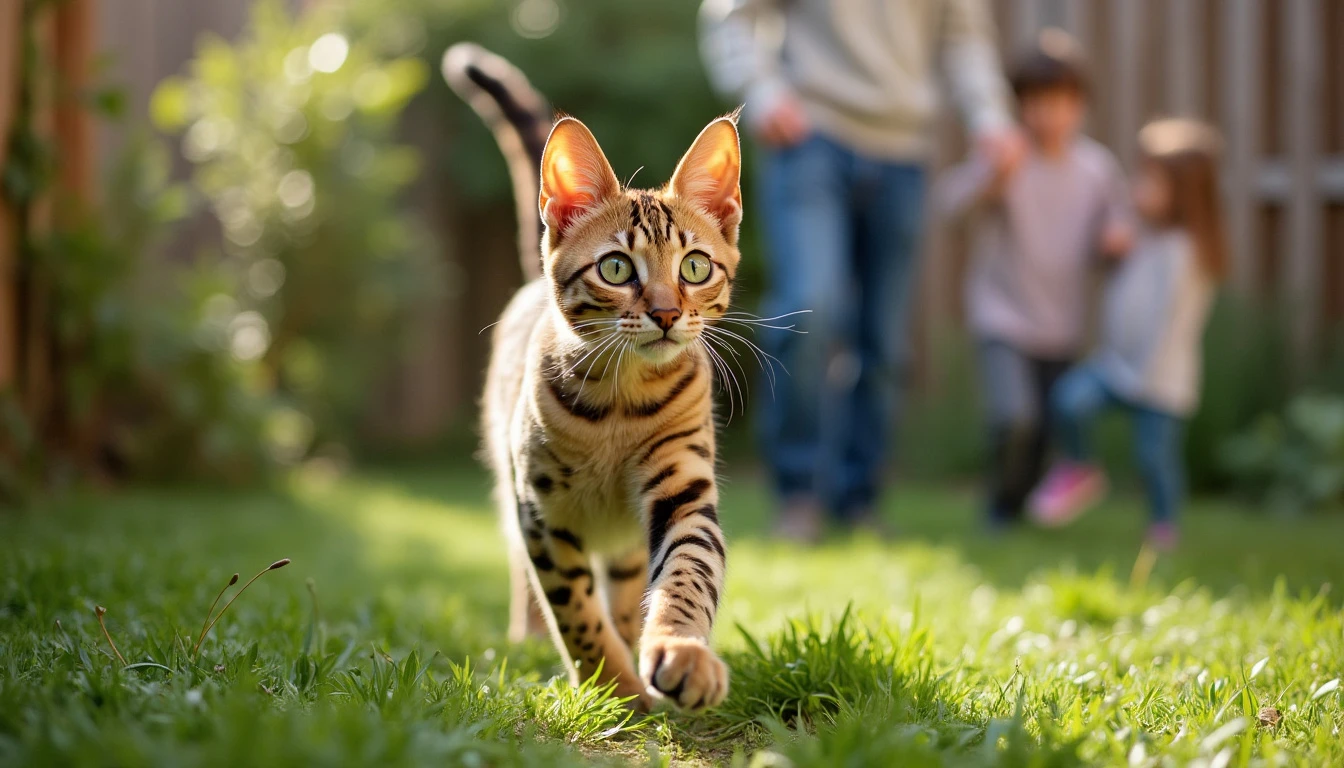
(1294, 462)
(290, 131)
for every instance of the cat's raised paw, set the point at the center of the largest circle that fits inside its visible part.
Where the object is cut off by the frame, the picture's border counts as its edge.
(683, 670)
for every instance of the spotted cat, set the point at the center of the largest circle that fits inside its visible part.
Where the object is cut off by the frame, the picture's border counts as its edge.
(598, 415)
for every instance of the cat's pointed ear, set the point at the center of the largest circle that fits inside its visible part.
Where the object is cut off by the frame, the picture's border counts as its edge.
(708, 176)
(575, 175)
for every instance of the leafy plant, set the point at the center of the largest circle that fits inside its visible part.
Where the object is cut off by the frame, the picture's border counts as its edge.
(1294, 461)
(127, 388)
(290, 130)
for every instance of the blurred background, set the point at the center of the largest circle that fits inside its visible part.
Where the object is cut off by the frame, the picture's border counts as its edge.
(241, 235)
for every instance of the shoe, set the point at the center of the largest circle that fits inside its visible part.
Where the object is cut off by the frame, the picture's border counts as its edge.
(1067, 492)
(800, 520)
(1163, 537)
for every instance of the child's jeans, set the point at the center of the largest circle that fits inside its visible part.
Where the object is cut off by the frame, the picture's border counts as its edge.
(1017, 388)
(1082, 395)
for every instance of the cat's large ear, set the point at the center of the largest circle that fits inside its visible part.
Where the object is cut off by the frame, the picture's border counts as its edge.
(575, 175)
(708, 176)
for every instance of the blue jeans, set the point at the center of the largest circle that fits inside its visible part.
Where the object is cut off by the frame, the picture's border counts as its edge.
(842, 238)
(1082, 395)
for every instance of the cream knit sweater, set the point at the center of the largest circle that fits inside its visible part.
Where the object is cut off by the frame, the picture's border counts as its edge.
(865, 70)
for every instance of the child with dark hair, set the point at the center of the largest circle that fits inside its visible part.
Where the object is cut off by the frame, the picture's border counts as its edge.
(1045, 210)
(1148, 361)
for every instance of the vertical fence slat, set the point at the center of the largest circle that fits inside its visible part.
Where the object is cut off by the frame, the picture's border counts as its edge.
(1241, 62)
(1028, 21)
(11, 19)
(1303, 267)
(1126, 52)
(1185, 51)
(1077, 20)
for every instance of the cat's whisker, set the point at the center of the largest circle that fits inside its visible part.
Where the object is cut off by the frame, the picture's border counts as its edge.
(750, 316)
(753, 324)
(766, 360)
(731, 377)
(717, 373)
(734, 381)
(587, 352)
(753, 347)
(593, 353)
(727, 379)
(606, 321)
(733, 354)
(624, 343)
(620, 356)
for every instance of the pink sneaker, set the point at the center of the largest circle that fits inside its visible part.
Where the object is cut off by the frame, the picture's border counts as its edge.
(1066, 493)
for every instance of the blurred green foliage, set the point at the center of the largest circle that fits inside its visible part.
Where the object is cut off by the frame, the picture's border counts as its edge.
(1246, 360)
(135, 377)
(291, 131)
(131, 392)
(226, 362)
(1294, 462)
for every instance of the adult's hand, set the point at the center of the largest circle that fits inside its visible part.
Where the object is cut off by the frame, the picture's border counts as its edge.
(784, 123)
(1004, 148)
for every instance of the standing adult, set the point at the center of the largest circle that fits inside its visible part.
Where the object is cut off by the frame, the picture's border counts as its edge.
(841, 95)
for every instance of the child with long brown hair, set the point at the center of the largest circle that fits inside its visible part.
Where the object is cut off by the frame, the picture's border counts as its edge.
(1156, 305)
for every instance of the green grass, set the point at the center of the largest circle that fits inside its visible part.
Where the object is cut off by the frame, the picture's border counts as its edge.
(382, 643)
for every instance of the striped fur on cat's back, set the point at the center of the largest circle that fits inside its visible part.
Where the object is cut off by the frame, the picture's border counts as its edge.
(598, 415)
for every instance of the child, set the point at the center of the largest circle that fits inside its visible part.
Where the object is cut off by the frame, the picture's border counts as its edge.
(1045, 210)
(1154, 312)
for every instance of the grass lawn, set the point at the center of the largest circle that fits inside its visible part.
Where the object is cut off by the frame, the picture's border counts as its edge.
(382, 642)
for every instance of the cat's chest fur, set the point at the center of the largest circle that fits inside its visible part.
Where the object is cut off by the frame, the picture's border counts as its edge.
(584, 473)
(598, 504)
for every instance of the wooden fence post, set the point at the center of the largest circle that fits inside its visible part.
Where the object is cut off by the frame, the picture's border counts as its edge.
(1303, 93)
(1126, 27)
(11, 52)
(1185, 47)
(75, 40)
(1242, 63)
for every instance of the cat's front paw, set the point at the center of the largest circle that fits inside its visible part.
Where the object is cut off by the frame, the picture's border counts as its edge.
(642, 700)
(684, 670)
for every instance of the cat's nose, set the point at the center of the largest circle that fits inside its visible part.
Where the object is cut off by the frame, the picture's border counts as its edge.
(665, 318)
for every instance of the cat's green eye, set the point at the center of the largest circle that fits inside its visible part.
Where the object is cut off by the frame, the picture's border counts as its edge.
(695, 267)
(616, 268)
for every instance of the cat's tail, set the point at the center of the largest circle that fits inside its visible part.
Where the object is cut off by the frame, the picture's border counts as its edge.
(520, 119)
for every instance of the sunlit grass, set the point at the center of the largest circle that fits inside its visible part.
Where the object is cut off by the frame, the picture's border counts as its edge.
(382, 643)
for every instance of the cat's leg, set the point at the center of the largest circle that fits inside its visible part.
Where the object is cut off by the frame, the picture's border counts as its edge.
(687, 561)
(627, 581)
(562, 573)
(525, 615)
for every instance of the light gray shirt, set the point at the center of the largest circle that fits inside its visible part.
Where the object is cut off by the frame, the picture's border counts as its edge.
(1152, 326)
(864, 70)
(1035, 244)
